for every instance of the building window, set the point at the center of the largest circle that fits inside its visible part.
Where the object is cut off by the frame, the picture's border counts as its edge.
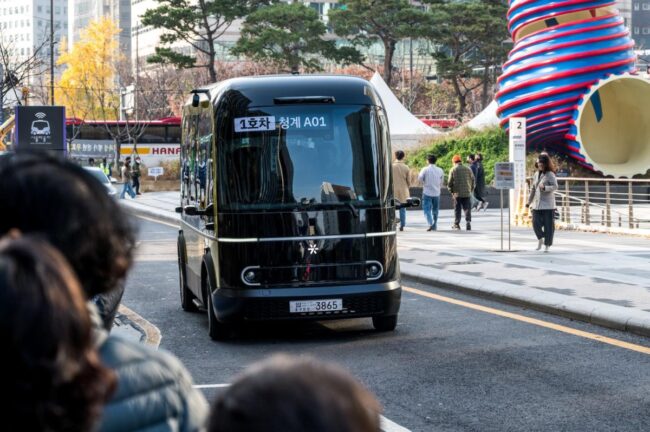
(645, 6)
(636, 30)
(645, 30)
(636, 6)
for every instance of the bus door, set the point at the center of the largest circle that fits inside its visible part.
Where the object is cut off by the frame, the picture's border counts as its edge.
(197, 191)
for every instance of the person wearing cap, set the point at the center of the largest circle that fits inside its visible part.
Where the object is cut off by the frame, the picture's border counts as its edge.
(461, 184)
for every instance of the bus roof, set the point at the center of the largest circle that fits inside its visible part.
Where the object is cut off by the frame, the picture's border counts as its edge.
(265, 90)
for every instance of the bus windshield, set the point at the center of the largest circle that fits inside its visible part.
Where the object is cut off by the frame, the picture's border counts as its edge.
(307, 157)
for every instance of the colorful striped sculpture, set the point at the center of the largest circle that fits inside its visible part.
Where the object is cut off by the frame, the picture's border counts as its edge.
(570, 73)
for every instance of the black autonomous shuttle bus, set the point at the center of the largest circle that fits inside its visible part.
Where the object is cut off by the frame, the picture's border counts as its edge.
(287, 203)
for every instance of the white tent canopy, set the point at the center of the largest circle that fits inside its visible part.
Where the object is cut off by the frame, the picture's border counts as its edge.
(406, 130)
(486, 118)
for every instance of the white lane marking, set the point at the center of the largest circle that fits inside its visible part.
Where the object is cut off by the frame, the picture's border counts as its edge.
(209, 386)
(387, 425)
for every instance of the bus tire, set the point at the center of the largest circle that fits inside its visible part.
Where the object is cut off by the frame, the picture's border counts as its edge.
(384, 323)
(217, 331)
(187, 298)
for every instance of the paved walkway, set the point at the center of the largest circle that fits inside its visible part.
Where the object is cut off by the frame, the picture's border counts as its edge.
(593, 277)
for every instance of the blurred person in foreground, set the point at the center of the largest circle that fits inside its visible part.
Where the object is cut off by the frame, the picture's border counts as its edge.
(76, 216)
(292, 394)
(53, 377)
(154, 390)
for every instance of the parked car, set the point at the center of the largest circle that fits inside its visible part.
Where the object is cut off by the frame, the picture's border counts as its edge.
(99, 175)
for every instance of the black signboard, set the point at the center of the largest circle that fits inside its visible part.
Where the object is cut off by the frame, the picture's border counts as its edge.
(40, 128)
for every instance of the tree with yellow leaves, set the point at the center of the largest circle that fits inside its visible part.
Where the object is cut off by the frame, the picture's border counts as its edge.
(87, 86)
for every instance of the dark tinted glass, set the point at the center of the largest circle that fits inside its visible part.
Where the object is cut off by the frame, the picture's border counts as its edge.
(298, 156)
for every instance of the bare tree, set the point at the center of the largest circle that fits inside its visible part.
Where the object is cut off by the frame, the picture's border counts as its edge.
(16, 68)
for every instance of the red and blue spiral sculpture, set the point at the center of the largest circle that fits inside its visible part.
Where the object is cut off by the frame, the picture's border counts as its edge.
(571, 73)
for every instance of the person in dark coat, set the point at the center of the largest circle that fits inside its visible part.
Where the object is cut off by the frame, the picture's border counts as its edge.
(53, 377)
(476, 165)
(74, 213)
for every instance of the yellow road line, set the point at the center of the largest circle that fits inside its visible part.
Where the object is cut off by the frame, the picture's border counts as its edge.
(540, 323)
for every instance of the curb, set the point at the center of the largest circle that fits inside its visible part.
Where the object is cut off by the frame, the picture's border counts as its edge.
(150, 332)
(590, 311)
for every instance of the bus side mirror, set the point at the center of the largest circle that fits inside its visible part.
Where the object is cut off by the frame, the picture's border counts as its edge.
(178, 209)
(191, 210)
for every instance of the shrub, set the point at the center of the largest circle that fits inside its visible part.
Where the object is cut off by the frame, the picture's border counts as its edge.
(491, 143)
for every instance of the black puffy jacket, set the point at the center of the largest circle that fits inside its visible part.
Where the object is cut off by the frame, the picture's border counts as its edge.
(154, 390)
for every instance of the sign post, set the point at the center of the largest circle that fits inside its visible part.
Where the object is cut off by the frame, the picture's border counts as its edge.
(155, 172)
(517, 148)
(41, 128)
(504, 178)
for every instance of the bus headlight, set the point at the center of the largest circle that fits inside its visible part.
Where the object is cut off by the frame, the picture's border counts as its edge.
(250, 276)
(373, 270)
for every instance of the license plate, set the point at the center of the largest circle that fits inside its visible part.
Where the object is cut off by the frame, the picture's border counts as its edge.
(328, 305)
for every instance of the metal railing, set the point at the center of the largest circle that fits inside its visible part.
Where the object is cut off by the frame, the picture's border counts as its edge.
(623, 203)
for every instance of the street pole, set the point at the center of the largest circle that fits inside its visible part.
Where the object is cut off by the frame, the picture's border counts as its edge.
(2, 95)
(501, 194)
(52, 52)
(411, 70)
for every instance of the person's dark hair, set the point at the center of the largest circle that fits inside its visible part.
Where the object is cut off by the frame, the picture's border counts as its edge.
(479, 157)
(52, 373)
(91, 161)
(431, 158)
(399, 155)
(67, 206)
(471, 157)
(546, 160)
(293, 395)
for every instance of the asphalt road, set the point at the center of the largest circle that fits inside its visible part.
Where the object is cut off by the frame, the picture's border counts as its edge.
(447, 367)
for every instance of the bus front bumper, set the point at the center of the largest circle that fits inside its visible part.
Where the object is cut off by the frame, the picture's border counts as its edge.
(365, 300)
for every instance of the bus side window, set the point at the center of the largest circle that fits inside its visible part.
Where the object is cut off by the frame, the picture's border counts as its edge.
(204, 133)
(385, 140)
(186, 159)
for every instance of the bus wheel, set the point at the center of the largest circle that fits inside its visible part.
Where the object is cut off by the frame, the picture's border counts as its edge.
(187, 303)
(384, 323)
(217, 330)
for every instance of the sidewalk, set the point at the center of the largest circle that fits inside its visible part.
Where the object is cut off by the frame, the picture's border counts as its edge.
(603, 279)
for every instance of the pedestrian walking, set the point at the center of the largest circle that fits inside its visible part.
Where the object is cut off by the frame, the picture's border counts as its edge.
(431, 178)
(401, 185)
(136, 173)
(75, 214)
(461, 184)
(541, 200)
(295, 394)
(105, 167)
(91, 162)
(479, 189)
(52, 376)
(127, 178)
(471, 162)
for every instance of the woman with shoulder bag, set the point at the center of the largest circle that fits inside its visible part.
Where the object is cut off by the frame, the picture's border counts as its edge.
(541, 201)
